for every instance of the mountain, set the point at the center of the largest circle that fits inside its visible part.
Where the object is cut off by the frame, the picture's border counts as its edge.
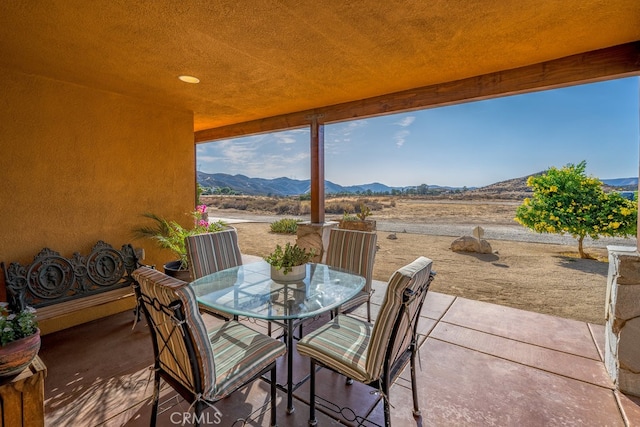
(515, 188)
(254, 186)
(622, 183)
(280, 186)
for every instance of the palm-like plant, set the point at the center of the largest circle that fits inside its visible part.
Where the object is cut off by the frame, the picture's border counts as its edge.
(171, 235)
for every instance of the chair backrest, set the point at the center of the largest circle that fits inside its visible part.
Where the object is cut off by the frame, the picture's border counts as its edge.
(354, 251)
(212, 252)
(397, 320)
(181, 344)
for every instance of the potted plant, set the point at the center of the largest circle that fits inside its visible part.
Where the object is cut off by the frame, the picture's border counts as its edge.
(288, 264)
(358, 221)
(170, 235)
(19, 337)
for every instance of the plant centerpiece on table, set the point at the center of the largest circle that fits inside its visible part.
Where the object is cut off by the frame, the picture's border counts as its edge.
(170, 235)
(19, 337)
(288, 264)
(358, 221)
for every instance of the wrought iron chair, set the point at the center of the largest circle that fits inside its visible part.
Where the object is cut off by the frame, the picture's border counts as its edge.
(202, 365)
(354, 251)
(212, 252)
(374, 354)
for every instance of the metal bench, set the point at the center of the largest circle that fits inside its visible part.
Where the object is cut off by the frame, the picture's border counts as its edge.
(69, 291)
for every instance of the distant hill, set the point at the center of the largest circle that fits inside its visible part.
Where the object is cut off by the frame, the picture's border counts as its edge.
(630, 184)
(515, 188)
(280, 186)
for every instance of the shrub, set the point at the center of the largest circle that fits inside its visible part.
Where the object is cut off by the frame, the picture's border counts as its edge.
(287, 207)
(285, 226)
(339, 207)
(567, 201)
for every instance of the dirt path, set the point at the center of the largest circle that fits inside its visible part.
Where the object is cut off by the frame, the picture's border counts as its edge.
(511, 232)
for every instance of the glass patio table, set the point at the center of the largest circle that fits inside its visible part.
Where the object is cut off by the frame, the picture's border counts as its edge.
(248, 290)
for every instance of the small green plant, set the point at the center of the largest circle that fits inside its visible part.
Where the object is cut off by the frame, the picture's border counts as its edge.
(364, 212)
(349, 217)
(289, 256)
(361, 214)
(15, 323)
(285, 226)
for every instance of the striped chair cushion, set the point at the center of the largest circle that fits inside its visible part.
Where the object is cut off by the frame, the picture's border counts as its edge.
(359, 299)
(341, 345)
(212, 252)
(240, 353)
(354, 251)
(411, 276)
(174, 358)
(356, 348)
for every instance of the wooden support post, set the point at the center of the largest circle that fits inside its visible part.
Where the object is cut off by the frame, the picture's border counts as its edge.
(317, 170)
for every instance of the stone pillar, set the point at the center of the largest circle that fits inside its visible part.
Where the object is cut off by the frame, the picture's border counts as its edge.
(622, 314)
(315, 236)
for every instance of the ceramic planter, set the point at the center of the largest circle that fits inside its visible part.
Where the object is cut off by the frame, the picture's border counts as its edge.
(17, 355)
(296, 274)
(172, 269)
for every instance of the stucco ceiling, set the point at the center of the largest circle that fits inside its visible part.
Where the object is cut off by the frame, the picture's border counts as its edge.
(257, 59)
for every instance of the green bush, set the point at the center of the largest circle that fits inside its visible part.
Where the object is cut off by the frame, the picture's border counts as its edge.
(285, 226)
(566, 200)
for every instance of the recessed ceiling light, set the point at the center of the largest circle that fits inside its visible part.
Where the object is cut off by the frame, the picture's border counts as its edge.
(189, 79)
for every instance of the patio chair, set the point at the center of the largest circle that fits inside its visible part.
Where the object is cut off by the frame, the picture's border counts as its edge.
(202, 365)
(374, 354)
(211, 252)
(354, 251)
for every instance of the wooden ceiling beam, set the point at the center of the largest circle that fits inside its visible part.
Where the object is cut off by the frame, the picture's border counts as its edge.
(604, 64)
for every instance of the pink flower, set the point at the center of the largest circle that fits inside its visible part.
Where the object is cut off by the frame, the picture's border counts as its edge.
(203, 223)
(201, 208)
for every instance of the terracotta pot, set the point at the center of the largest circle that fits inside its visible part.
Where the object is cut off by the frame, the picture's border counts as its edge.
(17, 355)
(172, 269)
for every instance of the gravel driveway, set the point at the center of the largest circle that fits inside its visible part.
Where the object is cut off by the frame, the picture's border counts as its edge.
(515, 233)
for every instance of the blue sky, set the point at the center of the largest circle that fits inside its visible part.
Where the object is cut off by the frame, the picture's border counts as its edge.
(471, 144)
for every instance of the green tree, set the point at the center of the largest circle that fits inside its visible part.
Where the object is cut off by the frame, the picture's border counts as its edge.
(567, 201)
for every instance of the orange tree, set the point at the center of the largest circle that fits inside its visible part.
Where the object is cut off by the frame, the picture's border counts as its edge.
(567, 201)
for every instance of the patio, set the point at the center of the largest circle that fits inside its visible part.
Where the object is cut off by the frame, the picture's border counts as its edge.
(480, 364)
(97, 129)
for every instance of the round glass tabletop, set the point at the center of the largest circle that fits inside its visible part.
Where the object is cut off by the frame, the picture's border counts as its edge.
(248, 290)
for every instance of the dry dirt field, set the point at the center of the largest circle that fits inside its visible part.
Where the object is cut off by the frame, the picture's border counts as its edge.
(546, 278)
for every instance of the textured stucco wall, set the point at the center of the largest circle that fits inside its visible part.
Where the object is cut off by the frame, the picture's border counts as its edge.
(78, 165)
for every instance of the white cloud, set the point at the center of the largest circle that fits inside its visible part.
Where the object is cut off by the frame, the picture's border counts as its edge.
(400, 137)
(266, 155)
(406, 121)
(239, 152)
(286, 140)
(340, 134)
(277, 165)
(208, 159)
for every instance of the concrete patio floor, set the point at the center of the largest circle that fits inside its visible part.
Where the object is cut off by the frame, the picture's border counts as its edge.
(480, 364)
